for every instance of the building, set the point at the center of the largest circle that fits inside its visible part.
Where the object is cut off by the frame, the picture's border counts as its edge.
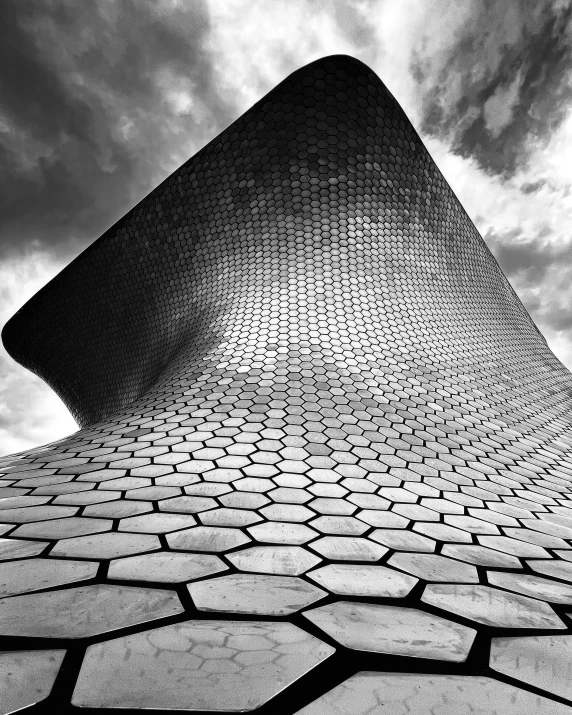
(325, 459)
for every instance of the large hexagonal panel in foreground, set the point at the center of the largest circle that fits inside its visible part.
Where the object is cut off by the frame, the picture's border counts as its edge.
(229, 666)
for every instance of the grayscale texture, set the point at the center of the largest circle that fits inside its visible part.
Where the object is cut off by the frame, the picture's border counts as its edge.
(300, 375)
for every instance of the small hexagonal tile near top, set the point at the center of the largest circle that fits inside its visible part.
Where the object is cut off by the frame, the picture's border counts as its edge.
(348, 548)
(544, 589)
(207, 538)
(542, 661)
(27, 677)
(393, 630)
(363, 580)
(491, 606)
(432, 567)
(370, 693)
(285, 560)
(256, 594)
(20, 548)
(228, 666)
(35, 574)
(165, 567)
(111, 545)
(84, 610)
(282, 532)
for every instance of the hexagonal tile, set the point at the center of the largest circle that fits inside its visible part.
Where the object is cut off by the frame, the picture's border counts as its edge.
(285, 560)
(492, 607)
(254, 594)
(165, 567)
(393, 630)
(362, 580)
(542, 661)
(390, 693)
(432, 567)
(207, 538)
(111, 545)
(36, 574)
(27, 677)
(226, 666)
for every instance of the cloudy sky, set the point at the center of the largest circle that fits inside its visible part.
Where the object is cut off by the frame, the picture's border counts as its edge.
(101, 100)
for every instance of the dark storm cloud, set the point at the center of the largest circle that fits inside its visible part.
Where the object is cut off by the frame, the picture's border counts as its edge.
(504, 81)
(97, 104)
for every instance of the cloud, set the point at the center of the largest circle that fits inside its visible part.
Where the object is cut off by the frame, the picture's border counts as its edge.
(30, 412)
(101, 102)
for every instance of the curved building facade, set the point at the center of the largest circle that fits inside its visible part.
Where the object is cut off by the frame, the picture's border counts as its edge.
(325, 455)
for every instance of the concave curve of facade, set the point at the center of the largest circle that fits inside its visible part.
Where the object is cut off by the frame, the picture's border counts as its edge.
(325, 455)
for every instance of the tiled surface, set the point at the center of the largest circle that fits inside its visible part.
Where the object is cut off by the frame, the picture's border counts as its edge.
(302, 378)
(414, 694)
(27, 677)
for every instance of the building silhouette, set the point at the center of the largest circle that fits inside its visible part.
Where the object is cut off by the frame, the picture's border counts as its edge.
(325, 459)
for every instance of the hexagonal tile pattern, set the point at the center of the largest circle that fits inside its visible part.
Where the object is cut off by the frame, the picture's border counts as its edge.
(315, 370)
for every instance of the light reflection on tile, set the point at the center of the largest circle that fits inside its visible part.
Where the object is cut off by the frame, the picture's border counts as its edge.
(225, 666)
(394, 630)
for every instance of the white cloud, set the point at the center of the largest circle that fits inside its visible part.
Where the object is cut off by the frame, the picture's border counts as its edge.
(30, 412)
